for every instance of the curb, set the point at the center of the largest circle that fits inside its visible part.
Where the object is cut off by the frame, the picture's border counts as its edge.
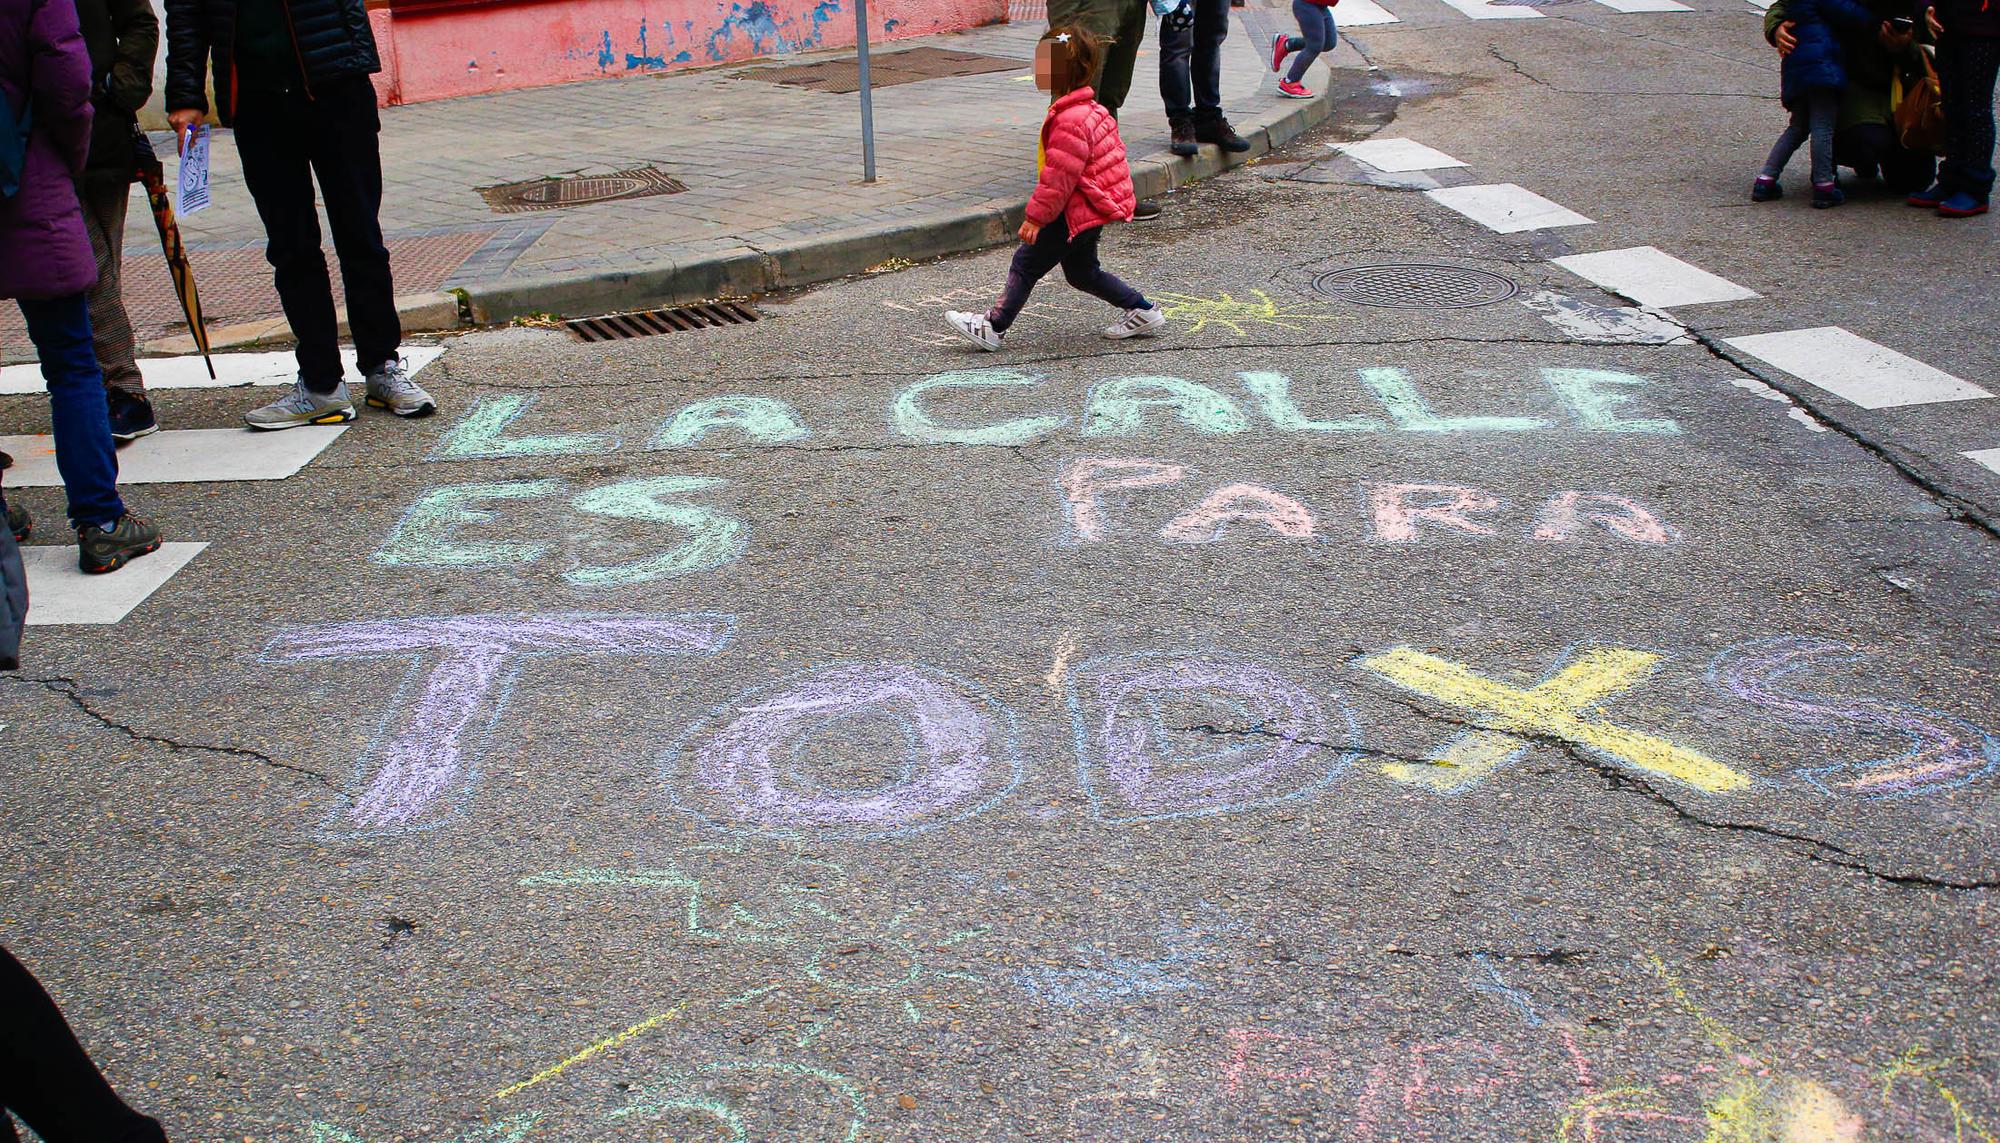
(749, 272)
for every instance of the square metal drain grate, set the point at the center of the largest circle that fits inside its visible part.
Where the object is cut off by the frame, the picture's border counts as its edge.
(580, 190)
(843, 77)
(1416, 286)
(646, 323)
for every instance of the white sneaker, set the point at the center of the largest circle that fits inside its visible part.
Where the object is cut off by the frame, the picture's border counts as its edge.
(1137, 323)
(975, 329)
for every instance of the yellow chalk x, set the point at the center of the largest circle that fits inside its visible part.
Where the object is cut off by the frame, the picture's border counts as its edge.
(1559, 707)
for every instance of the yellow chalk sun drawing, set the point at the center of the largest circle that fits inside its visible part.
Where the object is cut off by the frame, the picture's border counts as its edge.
(1227, 310)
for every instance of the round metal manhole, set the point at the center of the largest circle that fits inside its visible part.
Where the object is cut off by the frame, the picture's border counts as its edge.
(580, 190)
(1416, 286)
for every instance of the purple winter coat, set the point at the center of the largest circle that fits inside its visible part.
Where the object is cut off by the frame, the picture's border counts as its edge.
(45, 66)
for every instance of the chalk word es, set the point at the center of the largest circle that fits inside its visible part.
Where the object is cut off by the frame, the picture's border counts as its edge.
(1261, 738)
(1559, 707)
(420, 773)
(1941, 752)
(748, 766)
(1398, 513)
(431, 532)
(483, 433)
(1596, 399)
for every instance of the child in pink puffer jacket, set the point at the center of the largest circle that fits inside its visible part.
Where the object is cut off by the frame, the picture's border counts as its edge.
(1084, 184)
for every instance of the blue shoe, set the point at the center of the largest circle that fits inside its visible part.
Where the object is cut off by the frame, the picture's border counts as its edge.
(1827, 195)
(1930, 198)
(1962, 205)
(1764, 190)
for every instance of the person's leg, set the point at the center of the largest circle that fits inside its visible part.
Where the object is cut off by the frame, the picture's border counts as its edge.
(1115, 77)
(1176, 88)
(1317, 24)
(1789, 141)
(347, 158)
(1082, 270)
(1032, 261)
(45, 1076)
(1211, 28)
(1966, 72)
(273, 138)
(110, 326)
(60, 331)
(1823, 111)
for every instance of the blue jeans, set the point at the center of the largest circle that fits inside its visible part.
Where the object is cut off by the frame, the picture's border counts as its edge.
(1191, 62)
(60, 329)
(1813, 115)
(1967, 67)
(1316, 34)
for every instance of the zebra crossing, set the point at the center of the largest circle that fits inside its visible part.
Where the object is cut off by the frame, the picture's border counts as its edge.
(59, 593)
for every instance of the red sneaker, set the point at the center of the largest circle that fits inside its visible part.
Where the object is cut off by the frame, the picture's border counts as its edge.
(1281, 46)
(1291, 90)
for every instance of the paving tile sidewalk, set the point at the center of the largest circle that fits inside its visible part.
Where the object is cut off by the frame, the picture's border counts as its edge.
(768, 168)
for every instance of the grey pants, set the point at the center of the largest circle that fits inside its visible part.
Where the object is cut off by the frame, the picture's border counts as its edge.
(110, 328)
(1813, 115)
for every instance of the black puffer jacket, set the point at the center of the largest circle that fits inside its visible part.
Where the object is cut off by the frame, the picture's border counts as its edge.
(333, 40)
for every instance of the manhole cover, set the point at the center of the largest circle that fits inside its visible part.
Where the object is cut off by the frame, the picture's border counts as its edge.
(646, 323)
(579, 190)
(1416, 287)
(843, 76)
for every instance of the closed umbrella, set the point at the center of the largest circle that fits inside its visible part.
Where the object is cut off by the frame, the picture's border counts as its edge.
(153, 177)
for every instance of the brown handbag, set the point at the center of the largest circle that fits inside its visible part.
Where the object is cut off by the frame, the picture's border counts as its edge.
(1919, 111)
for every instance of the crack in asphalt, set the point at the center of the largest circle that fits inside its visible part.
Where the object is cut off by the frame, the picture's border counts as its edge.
(69, 688)
(1494, 51)
(1815, 849)
(1557, 955)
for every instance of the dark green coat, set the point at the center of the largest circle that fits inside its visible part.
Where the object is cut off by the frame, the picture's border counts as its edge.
(123, 36)
(1871, 68)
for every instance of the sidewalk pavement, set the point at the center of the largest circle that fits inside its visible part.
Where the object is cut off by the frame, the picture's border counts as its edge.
(772, 172)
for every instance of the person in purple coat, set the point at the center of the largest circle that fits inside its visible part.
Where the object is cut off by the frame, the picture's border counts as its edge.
(45, 79)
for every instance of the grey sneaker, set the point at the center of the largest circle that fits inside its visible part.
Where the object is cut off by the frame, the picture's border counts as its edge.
(389, 387)
(975, 329)
(302, 406)
(100, 550)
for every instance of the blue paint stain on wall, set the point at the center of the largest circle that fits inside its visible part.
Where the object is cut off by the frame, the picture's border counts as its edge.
(822, 12)
(684, 57)
(644, 59)
(605, 56)
(758, 26)
(889, 26)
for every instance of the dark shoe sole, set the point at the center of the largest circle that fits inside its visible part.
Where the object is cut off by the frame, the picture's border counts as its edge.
(128, 438)
(1185, 150)
(420, 411)
(120, 561)
(1975, 212)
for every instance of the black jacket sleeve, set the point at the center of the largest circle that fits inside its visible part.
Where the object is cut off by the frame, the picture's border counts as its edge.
(187, 55)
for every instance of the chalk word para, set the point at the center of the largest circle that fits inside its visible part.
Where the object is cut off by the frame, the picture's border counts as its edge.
(1596, 400)
(1398, 512)
(428, 535)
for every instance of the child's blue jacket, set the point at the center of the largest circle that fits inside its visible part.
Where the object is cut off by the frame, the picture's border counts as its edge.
(1817, 62)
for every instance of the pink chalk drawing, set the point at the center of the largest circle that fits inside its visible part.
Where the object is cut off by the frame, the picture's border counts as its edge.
(422, 772)
(1264, 738)
(1942, 752)
(745, 766)
(1085, 481)
(1448, 506)
(1619, 515)
(1233, 503)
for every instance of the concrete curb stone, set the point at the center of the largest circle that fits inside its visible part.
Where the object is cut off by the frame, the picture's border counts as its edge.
(748, 272)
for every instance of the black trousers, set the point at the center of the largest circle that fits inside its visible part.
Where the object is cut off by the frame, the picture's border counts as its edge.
(47, 1080)
(1191, 62)
(1077, 255)
(286, 140)
(1967, 69)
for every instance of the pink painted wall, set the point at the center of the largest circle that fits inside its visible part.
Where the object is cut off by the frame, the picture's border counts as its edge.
(498, 47)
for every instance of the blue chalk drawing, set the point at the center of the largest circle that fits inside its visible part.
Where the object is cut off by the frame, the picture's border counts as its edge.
(1105, 978)
(1496, 985)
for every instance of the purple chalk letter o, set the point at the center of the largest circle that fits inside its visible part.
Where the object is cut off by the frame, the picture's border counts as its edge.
(958, 758)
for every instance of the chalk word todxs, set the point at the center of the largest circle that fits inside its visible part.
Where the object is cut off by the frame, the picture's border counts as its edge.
(1156, 735)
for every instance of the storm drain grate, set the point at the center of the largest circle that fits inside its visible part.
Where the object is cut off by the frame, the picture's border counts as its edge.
(646, 323)
(1416, 286)
(843, 77)
(580, 190)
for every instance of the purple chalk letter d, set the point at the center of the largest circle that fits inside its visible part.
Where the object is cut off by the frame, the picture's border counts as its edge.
(1174, 736)
(950, 753)
(420, 772)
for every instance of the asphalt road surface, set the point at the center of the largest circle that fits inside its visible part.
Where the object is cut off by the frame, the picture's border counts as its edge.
(1327, 721)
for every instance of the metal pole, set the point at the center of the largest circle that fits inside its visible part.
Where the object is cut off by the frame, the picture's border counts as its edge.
(867, 92)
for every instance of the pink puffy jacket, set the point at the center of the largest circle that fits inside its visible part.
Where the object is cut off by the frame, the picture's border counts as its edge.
(1084, 175)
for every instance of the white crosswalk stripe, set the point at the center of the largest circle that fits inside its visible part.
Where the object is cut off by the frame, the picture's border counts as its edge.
(183, 456)
(1990, 457)
(1397, 155)
(1507, 209)
(1653, 277)
(60, 594)
(1855, 369)
(231, 369)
